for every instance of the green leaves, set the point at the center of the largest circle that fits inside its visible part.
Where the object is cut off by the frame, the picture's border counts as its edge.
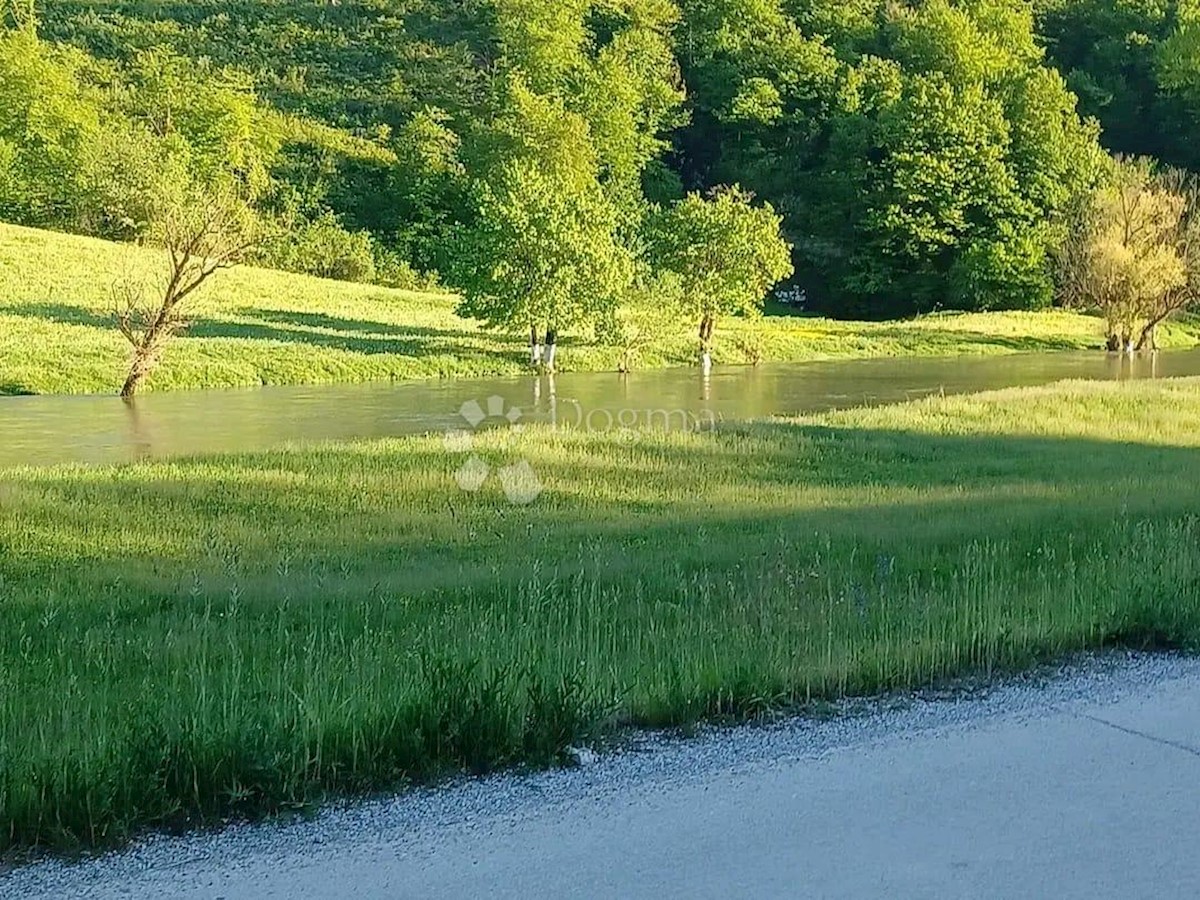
(542, 251)
(725, 252)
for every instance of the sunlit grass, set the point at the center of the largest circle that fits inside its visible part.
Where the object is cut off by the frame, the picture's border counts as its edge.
(262, 327)
(202, 638)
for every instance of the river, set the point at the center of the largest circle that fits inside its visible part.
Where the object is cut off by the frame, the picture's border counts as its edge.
(101, 429)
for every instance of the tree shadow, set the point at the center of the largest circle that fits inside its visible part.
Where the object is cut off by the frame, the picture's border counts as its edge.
(61, 313)
(406, 341)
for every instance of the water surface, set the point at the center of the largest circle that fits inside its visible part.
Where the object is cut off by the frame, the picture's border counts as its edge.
(101, 429)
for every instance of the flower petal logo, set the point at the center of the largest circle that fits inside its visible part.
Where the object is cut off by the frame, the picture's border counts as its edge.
(519, 481)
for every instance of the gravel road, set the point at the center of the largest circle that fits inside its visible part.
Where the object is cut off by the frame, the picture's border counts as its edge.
(1078, 781)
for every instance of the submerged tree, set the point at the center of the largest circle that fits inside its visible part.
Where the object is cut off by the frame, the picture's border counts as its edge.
(726, 253)
(543, 250)
(1134, 256)
(542, 255)
(201, 233)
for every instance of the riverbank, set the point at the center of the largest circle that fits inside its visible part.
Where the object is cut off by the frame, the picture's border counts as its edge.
(188, 641)
(256, 327)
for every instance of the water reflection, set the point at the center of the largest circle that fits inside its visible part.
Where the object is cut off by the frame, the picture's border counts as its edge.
(44, 430)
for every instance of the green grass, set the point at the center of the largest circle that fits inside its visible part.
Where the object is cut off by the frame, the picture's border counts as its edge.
(263, 327)
(185, 641)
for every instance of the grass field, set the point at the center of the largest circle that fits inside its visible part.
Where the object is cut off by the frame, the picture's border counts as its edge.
(262, 327)
(186, 641)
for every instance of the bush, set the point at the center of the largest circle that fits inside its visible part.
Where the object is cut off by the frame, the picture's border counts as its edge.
(394, 271)
(322, 248)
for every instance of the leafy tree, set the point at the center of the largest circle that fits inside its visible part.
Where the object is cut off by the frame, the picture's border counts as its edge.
(1135, 254)
(49, 134)
(542, 252)
(630, 93)
(1131, 64)
(214, 113)
(726, 254)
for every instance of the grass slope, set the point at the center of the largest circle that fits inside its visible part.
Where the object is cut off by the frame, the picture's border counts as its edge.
(189, 640)
(263, 327)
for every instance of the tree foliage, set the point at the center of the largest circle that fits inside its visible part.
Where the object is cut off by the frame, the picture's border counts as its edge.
(725, 252)
(920, 155)
(1134, 255)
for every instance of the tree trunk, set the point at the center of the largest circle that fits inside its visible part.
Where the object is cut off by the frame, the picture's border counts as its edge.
(133, 382)
(143, 364)
(1149, 338)
(535, 349)
(706, 333)
(551, 347)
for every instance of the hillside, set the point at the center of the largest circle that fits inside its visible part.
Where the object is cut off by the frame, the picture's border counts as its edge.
(256, 326)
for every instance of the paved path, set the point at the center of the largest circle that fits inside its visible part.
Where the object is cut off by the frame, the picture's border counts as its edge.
(1083, 784)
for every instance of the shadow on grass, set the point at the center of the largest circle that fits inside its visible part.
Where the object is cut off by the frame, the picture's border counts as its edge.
(360, 336)
(61, 313)
(400, 341)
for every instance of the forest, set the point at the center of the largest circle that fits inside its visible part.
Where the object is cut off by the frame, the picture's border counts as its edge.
(915, 156)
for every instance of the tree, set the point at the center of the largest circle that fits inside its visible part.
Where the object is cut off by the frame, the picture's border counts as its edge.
(541, 253)
(542, 249)
(50, 131)
(201, 232)
(1135, 254)
(726, 253)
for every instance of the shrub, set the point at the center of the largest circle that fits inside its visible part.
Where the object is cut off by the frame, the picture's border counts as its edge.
(323, 248)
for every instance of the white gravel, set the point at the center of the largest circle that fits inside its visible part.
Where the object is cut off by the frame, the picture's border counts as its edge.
(665, 808)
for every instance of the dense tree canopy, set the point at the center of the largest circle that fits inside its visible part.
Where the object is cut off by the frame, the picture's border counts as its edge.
(924, 154)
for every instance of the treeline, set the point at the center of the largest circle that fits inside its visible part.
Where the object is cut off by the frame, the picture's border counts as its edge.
(919, 155)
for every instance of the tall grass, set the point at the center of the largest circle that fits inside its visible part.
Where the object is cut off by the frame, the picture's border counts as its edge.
(254, 327)
(188, 641)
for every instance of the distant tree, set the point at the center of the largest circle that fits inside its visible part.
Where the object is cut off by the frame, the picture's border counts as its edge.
(50, 131)
(213, 113)
(726, 253)
(200, 232)
(541, 254)
(542, 251)
(1134, 256)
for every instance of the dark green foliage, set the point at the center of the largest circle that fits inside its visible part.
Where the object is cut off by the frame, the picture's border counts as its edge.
(322, 248)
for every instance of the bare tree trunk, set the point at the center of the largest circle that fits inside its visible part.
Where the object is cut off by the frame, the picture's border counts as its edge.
(535, 347)
(131, 384)
(145, 361)
(551, 347)
(706, 333)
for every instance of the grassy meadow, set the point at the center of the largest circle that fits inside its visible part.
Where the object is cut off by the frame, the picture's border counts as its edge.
(187, 641)
(255, 326)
